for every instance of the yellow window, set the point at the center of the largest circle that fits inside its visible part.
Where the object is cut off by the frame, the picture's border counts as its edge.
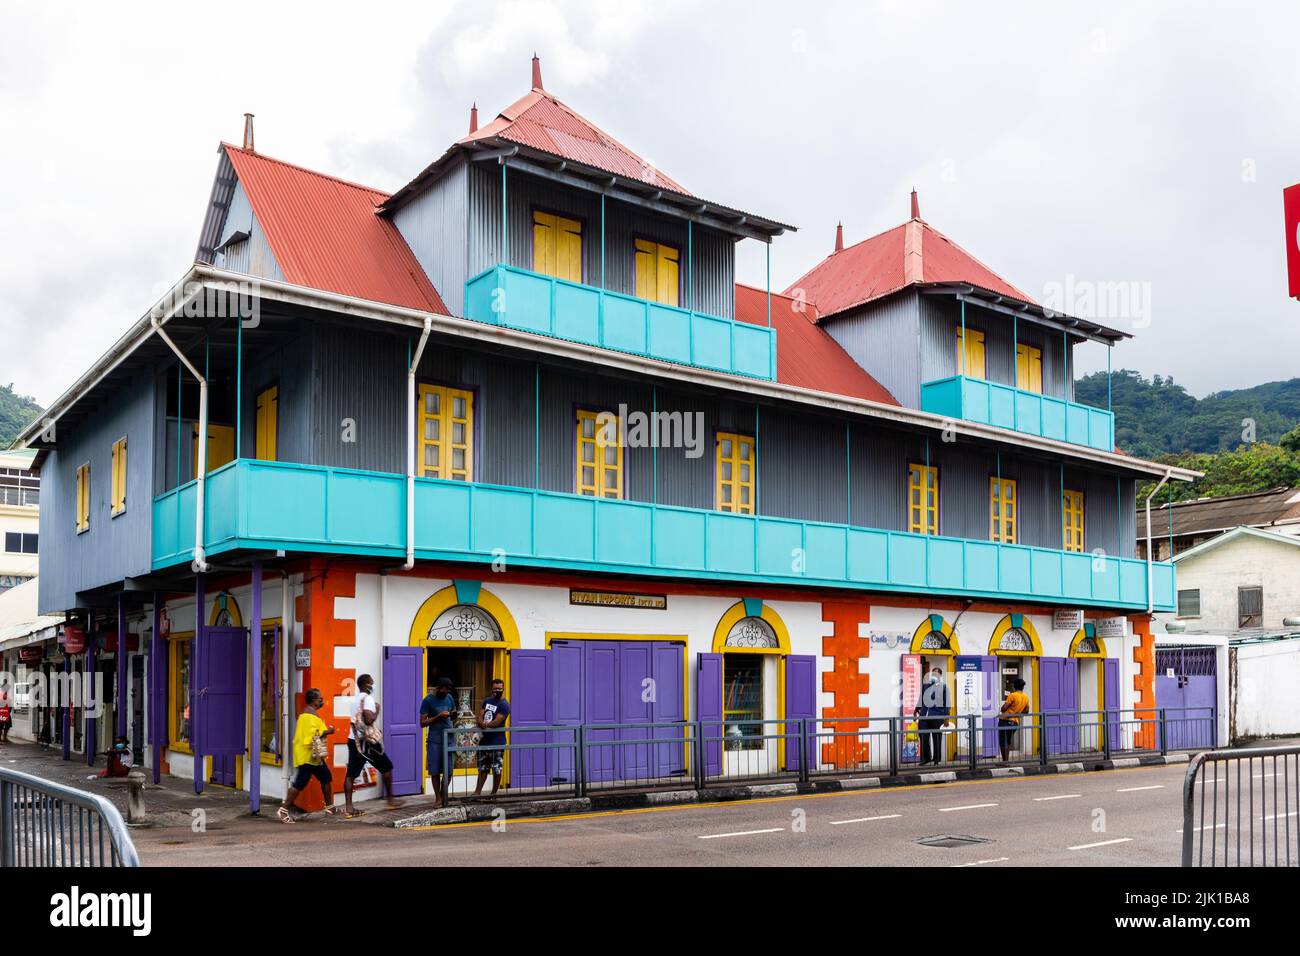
(221, 446)
(599, 469)
(656, 271)
(1029, 368)
(970, 360)
(83, 498)
(557, 246)
(268, 422)
(1072, 520)
(735, 469)
(119, 477)
(446, 433)
(1002, 510)
(923, 499)
(178, 717)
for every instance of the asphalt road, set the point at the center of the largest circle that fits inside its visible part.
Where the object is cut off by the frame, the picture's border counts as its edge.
(1113, 818)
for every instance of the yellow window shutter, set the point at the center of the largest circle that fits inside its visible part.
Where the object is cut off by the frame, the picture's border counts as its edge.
(268, 414)
(667, 262)
(645, 269)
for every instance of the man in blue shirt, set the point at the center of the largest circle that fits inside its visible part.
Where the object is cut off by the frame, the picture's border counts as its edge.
(494, 713)
(437, 711)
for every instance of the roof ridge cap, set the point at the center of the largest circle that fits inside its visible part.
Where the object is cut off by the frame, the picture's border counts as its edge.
(303, 169)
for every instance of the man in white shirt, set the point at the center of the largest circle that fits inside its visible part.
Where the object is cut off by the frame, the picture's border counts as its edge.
(365, 746)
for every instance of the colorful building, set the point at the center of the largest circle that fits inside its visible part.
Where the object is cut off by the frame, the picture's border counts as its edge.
(519, 419)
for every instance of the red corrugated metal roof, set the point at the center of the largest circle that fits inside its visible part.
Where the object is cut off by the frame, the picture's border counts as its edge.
(806, 355)
(541, 121)
(325, 233)
(879, 266)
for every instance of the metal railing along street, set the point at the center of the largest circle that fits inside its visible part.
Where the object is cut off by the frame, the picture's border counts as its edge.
(578, 759)
(43, 823)
(1240, 808)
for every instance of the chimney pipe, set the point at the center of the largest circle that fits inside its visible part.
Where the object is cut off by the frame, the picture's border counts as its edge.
(839, 237)
(916, 205)
(248, 132)
(537, 72)
(473, 118)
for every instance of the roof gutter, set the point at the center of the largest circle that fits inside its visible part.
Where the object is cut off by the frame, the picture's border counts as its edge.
(1151, 603)
(410, 444)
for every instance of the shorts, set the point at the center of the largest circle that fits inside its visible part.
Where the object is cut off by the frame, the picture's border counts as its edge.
(304, 772)
(492, 760)
(356, 760)
(1007, 732)
(433, 752)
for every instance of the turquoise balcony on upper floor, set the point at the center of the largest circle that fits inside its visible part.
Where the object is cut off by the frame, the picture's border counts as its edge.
(265, 505)
(532, 302)
(976, 400)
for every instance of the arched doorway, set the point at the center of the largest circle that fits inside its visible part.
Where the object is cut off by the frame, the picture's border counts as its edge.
(1016, 647)
(1098, 680)
(934, 645)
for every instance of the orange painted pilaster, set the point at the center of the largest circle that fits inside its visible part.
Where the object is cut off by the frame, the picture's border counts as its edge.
(844, 647)
(1144, 681)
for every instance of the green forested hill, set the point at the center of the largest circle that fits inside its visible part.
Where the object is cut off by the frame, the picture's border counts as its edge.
(15, 412)
(1156, 416)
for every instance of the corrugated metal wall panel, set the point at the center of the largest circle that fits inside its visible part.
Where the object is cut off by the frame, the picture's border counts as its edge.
(801, 470)
(435, 226)
(714, 254)
(883, 338)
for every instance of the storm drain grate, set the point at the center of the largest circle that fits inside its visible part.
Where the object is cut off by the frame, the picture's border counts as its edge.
(952, 840)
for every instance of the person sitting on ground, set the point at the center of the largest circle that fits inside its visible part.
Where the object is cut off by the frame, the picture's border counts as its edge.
(1017, 703)
(119, 758)
(309, 751)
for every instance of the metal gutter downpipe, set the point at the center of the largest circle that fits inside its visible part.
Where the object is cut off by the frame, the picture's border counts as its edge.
(410, 445)
(200, 563)
(1151, 601)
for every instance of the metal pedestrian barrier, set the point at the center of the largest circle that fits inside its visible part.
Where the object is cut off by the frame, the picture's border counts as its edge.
(575, 760)
(43, 823)
(1240, 808)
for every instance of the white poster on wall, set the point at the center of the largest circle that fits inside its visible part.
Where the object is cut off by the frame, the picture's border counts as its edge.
(970, 684)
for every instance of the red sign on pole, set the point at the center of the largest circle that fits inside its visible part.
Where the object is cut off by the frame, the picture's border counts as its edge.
(1291, 211)
(74, 640)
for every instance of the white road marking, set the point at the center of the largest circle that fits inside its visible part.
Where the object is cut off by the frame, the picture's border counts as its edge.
(1278, 816)
(1208, 826)
(1063, 796)
(969, 806)
(887, 816)
(719, 836)
(1089, 846)
(1000, 859)
(1220, 826)
(1154, 786)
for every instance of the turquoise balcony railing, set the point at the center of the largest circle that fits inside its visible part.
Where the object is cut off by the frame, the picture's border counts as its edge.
(532, 302)
(280, 506)
(975, 400)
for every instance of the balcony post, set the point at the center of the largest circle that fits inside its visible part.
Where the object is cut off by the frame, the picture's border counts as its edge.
(119, 695)
(602, 241)
(1015, 352)
(239, 388)
(769, 288)
(962, 369)
(196, 706)
(504, 247)
(1110, 350)
(255, 697)
(690, 266)
(157, 689)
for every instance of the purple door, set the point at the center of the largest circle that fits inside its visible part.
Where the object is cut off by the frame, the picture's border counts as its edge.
(221, 679)
(669, 706)
(1058, 697)
(991, 699)
(530, 697)
(1186, 689)
(403, 689)
(800, 702)
(708, 709)
(600, 706)
(1111, 698)
(636, 694)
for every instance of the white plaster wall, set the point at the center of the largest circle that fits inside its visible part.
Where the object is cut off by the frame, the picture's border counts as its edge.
(1247, 561)
(1266, 701)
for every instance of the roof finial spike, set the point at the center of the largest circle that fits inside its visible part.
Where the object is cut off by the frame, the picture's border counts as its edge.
(916, 205)
(537, 72)
(839, 237)
(473, 118)
(248, 132)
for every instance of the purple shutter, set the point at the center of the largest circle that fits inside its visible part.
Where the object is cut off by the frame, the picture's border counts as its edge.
(403, 690)
(565, 700)
(991, 698)
(708, 710)
(1070, 706)
(530, 702)
(669, 707)
(600, 708)
(1112, 700)
(634, 682)
(1051, 675)
(800, 702)
(222, 701)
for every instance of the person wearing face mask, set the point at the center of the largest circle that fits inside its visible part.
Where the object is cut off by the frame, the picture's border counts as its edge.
(493, 715)
(933, 710)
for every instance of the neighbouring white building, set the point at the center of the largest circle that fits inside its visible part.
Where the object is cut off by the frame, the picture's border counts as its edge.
(19, 517)
(1244, 586)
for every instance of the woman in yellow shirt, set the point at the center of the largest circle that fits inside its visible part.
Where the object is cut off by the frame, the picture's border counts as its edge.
(1017, 703)
(310, 726)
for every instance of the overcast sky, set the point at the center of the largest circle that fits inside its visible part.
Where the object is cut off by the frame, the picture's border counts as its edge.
(1143, 144)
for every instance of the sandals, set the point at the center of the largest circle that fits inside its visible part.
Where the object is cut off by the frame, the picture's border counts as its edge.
(353, 814)
(283, 814)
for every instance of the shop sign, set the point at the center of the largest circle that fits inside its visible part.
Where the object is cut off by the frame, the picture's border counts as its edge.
(74, 639)
(1108, 627)
(1067, 620)
(654, 602)
(302, 658)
